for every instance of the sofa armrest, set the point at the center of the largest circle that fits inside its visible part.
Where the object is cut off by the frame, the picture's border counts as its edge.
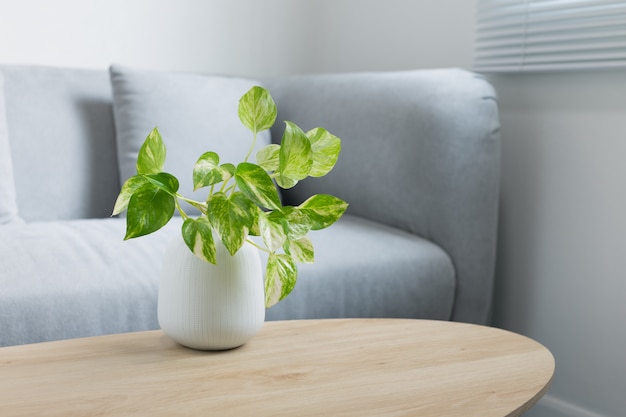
(420, 152)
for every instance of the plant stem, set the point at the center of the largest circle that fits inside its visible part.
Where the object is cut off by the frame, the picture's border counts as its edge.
(197, 204)
(257, 246)
(231, 188)
(180, 210)
(251, 147)
(224, 185)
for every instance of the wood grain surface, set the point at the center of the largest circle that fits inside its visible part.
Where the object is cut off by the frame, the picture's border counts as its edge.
(358, 367)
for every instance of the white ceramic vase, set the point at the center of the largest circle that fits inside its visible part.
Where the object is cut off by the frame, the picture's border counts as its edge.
(211, 307)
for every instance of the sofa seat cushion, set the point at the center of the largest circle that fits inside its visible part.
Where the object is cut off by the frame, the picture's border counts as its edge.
(77, 278)
(365, 269)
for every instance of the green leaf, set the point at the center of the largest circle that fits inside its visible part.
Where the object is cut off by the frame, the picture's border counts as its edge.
(257, 110)
(300, 250)
(257, 185)
(268, 156)
(295, 156)
(232, 217)
(285, 182)
(326, 148)
(151, 156)
(149, 209)
(164, 181)
(229, 170)
(323, 210)
(298, 223)
(281, 274)
(254, 230)
(207, 172)
(130, 186)
(198, 235)
(273, 229)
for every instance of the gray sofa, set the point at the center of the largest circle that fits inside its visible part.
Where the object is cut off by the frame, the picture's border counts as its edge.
(419, 167)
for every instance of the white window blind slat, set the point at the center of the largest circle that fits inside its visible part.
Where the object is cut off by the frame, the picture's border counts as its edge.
(555, 66)
(489, 9)
(553, 22)
(562, 58)
(565, 40)
(612, 23)
(545, 35)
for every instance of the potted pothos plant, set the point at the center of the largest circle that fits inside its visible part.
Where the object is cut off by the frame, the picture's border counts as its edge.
(243, 199)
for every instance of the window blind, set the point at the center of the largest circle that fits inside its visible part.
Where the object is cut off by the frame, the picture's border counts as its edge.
(549, 35)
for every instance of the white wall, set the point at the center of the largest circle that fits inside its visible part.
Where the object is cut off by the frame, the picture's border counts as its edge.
(235, 37)
(562, 252)
(396, 34)
(241, 37)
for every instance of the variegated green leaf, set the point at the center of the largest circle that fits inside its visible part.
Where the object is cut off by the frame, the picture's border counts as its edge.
(149, 209)
(130, 186)
(151, 156)
(254, 230)
(268, 156)
(257, 110)
(232, 217)
(280, 277)
(298, 223)
(301, 250)
(326, 148)
(257, 185)
(228, 169)
(285, 182)
(206, 171)
(295, 156)
(198, 235)
(164, 181)
(273, 229)
(323, 210)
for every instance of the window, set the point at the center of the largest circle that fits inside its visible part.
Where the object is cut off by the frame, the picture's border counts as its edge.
(549, 35)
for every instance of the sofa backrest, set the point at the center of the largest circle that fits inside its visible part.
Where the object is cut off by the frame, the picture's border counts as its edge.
(61, 132)
(420, 152)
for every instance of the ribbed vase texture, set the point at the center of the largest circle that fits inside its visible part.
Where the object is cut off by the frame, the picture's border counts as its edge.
(211, 307)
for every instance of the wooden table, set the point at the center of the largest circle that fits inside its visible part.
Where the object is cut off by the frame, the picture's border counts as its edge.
(316, 368)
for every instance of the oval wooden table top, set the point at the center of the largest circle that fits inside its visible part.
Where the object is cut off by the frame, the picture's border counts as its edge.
(357, 367)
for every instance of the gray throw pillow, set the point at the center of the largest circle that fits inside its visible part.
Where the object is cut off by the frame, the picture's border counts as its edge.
(8, 202)
(195, 113)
